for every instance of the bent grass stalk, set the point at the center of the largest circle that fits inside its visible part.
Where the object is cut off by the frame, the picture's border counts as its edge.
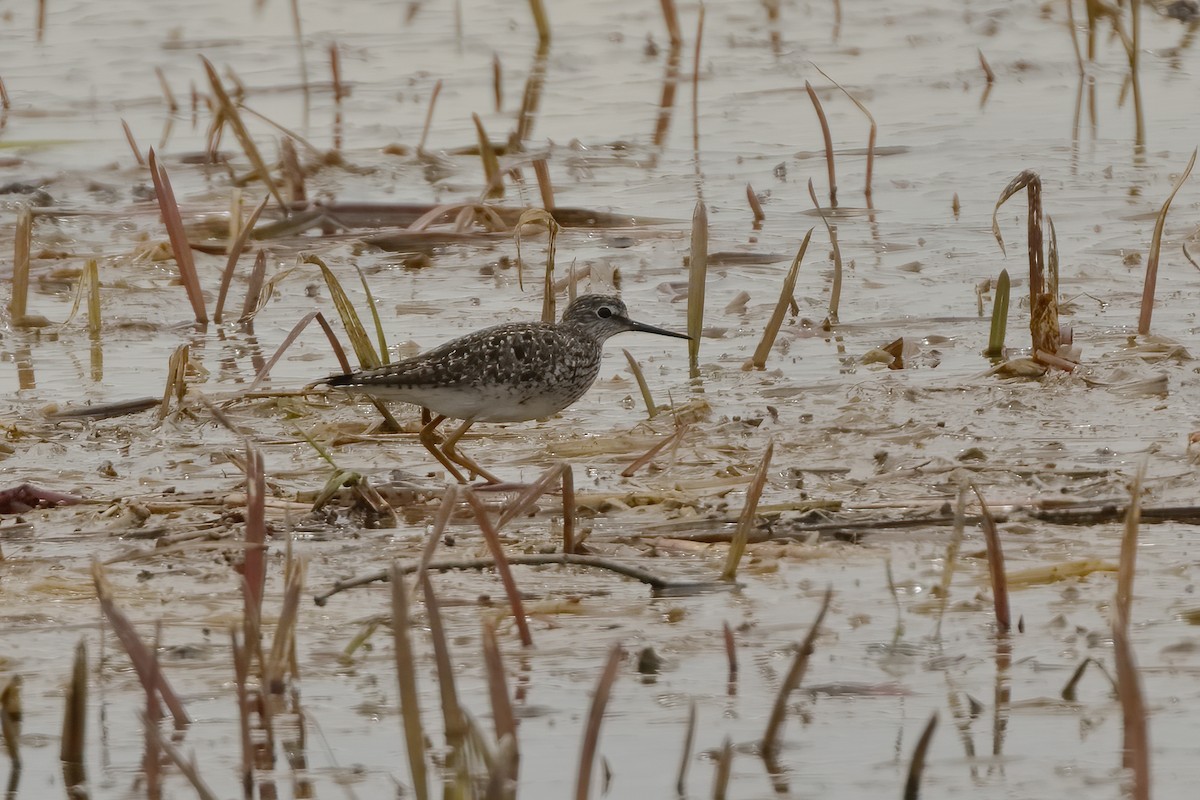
(871, 137)
(816, 101)
(643, 387)
(180, 247)
(1155, 250)
(759, 359)
(741, 536)
(539, 216)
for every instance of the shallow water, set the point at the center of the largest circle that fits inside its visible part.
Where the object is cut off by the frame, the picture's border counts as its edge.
(883, 443)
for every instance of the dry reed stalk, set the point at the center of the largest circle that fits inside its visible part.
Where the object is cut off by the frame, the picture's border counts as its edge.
(755, 207)
(373, 307)
(291, 173)
(648, 456)
(1043, 304)
(452, 715)
(538, 8)
(168, 95)
(1135, 750)
(282, 659)
(40, 26)
(18, 305)
(493, 180)
(227, 112)
(440, 520)
(139, 654)
(180, 247)
(724, 770)
(697, 278)
(91, 280)
(186, 766)
(561, 473)
(133, 145)
(245, 231)
(5, 102)
(492, 537)
(406, 673)
(433, 96)
(537, 216)
(871, 137)
(671, 17)
(541, 169)
(591, 732)
(11, 715)
(741, 536)
(730, 653)
(74, 736)
(786, 292)
(254, 286)
(912, 786)
(696, 83)
(151, 759)
(504, 771)
(835, 290)
(995, 557)
(335, 71)
(950, 562)
(987, 69)
(176, 386)
(1003, 290)
(643, 387)
(241, 672)
(816, 101)
(770, 741)
(685, 760)
(254, 571)
(1155, 250)
(1134, 51)
(361, 343)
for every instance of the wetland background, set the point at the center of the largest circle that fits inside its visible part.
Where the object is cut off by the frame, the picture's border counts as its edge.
(868, 462)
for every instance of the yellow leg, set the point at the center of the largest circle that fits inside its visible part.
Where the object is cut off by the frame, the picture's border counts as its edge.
(449, 448)
(429, 439)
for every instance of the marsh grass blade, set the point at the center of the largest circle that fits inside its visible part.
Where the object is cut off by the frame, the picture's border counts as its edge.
(755, 207)
(649, 456)
(176, 385)
(228, 113)
(433, 97)
(1135, 750)
(504, 719)
(724, 770)
(254, 286)
(697, 278)
(696, 86)
(816, 101)
(1151, 280)
(235, 251)
(995, 348)
(1043, 305)
(452, 715)
(636, 369)
(759, 359)
(493, 180)
(538, 216)
(71, 749)
(359, 341)
(591, 733)
(737, 548)
(835, 289)
(133, 145)
(995, 556)
(254, 570)
(406, 673)
(18, 306)
(492, 537)
(871, 136)
(685, 760)
(916, 768)
(770, 742)
(180, 247)
(11, 713)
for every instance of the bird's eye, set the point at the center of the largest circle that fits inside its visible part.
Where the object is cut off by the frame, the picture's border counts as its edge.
(604, 312)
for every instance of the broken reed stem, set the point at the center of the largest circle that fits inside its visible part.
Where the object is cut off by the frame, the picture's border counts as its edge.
(912, 786)
(452, 715)
(1135, 750)
(254, 288)
(503, 719)
(433, 96)
(18, 305)
(724, 769)
(541, 170)
(696, 83)
(770, 740)
(91, 279)
(697, 278)
(987, 69)
(689, 739)
(816, 101)
(671, 17)
(74, 736)
(535, 216)
(180, 247)
(406, 672)
(995, 558)
(995, 348)
(950, 563)
(245, 231)
(730, 655)
(10, 722)
(871, 137)
(643, 387)
(498, 82)
(741, 536)
(591, 732)
(541, 21)
(1043, 304)
(835, 290)
(649, 455)
(493, 180)
(755, 207)
(5, 102)
(492, 537)
(786, 292)
(133, 145)
(1139, 118)
(168, 95)
(1151, 279)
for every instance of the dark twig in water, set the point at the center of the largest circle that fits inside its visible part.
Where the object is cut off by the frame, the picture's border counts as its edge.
(769, 746)
(591, 733)
(659, 585)
(912, 787)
